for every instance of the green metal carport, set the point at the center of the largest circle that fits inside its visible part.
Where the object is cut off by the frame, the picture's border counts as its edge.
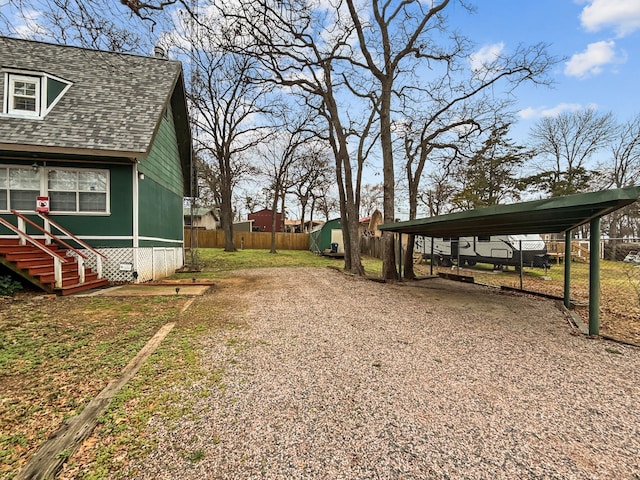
(553, 215)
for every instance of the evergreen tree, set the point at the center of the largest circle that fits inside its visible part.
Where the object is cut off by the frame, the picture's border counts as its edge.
(490, 176)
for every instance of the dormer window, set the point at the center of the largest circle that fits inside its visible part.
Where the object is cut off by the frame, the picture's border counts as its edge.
(30, 94)
(24, 95)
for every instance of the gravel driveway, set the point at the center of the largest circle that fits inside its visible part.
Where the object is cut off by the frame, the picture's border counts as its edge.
(332, 377)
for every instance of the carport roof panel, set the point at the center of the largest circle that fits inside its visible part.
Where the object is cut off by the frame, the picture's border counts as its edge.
(553, 215)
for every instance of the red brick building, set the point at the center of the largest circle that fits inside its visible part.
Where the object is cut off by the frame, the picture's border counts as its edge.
(262, 221)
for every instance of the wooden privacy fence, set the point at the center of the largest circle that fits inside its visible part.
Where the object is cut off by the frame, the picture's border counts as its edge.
(371, 246)
(253, 240)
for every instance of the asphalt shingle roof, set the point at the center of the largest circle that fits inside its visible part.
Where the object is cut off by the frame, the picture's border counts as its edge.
(113, 107)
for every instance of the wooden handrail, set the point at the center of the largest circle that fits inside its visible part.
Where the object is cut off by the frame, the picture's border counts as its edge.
(69, 234)
(54, 237)
(26, 236)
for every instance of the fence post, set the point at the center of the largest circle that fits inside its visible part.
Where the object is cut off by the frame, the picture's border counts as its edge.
(80, 261)
(57, 271)
(47, 227)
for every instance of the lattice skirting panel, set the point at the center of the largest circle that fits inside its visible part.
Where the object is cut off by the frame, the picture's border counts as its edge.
(150, 263)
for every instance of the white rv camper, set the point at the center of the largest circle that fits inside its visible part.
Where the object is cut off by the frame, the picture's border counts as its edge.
(499, 250)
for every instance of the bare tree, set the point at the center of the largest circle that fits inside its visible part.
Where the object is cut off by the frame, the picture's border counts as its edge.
(622, 169)
(88, 23)
(308, 175)
(279, 155)
(565, 144)
(372, 197)
(228, 112)
(457, 107)
(325, 202)
(391, 34)
(307, 50)
(394, 40)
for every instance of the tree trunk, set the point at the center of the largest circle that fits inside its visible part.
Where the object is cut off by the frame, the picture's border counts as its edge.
(226, 214)
(389, 271)
(313, 207)
(409, 273)
(344, 177)
(350, 216)
(274, 215)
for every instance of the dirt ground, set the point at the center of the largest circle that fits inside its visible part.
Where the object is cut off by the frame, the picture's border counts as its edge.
(619, 313)
(329, 376)
(39, 391)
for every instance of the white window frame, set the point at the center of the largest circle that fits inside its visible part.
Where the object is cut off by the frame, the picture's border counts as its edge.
(7, 188)
(43, 179)
(77, 191)
(11, 95)
(41, 80)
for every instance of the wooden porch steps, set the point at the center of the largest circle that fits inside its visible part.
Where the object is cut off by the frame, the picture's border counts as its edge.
(37, 267)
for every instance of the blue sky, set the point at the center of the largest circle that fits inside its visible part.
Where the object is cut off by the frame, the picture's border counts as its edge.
(598, 40)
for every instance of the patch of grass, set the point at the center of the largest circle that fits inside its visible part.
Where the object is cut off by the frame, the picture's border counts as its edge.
(372, 266)
(216, 260)
(123, 430)
(58, 353)
(196, 456)
(65, 454)
(219, 264)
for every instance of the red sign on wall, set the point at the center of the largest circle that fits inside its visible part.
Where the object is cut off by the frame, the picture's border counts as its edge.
(42, 204)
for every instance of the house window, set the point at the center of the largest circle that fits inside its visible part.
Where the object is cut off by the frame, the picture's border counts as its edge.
(77, 190)
(24, 95)
(19, 188)
(4, 183)
(32, 94)
(69, 190)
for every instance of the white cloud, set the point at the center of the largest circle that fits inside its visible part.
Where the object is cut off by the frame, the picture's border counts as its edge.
(539, 112)
(27, 24)
(591, 61)
(621, 15)
(484, 57)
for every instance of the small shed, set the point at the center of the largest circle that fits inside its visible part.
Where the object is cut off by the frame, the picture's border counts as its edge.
(244, 226)
(322, 237)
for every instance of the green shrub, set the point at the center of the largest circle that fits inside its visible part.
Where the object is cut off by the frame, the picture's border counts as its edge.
(8, 286)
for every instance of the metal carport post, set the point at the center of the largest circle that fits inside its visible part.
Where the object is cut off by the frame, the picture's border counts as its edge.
(567, 269)
(594, 277)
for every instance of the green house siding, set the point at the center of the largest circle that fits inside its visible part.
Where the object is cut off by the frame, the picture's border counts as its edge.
(163, 163)
(160, 215)
(160, 192)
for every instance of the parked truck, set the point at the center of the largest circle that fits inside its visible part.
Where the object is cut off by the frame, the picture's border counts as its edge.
(499, 250)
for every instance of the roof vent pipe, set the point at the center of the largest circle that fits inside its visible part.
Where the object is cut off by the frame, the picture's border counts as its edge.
(159, 52)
